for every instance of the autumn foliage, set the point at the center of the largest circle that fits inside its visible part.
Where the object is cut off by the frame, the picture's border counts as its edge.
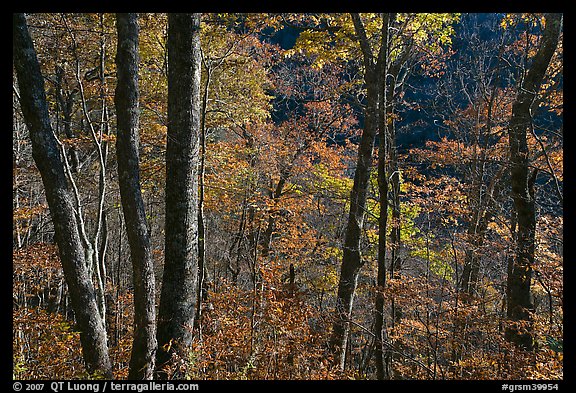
(281, 131)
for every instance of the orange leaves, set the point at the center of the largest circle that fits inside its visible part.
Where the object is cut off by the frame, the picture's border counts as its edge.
(35, 266)
(548, 155)
(27, 212)
(549, 264)
(45, 346)
(261, 334)
(446, 196)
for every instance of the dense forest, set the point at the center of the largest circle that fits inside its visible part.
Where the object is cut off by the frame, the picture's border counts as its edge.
(311, 196)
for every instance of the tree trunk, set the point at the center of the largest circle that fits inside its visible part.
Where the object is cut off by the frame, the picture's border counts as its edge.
(201, 182)
(476, 234)
(520, 307)
(351, 260)
(482, 199)
(394, 188)
(179, 283)
(382, 357)
(66, 105)
(60, 201)
(271, 225)
(395, 263)
(144, 345)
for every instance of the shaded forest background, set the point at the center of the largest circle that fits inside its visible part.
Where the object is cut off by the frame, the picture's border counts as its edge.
(283, 118)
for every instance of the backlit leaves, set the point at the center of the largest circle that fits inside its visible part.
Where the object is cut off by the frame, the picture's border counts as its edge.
(282, 133)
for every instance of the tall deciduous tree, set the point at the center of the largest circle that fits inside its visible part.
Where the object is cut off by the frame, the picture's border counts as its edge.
(381, 356)
(179, 282)
(351, 260)
(365, 37)
(142, 359)
(519, 280)
(60, 201)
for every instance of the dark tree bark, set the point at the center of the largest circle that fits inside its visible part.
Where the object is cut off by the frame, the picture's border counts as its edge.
(520, 307)
(351, 260)
(482, 213)
(271, 225)
(483, 198)
(60, 201)
(180, 280)
(395, 81)
(476, 234)
(144, 345)
(202, 292)
(381, 356)
(66, 105)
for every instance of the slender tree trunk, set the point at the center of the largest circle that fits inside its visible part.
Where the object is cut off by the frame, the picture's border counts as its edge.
(394, 188)
(180, 280)
(520, 307)
(351, 260)
(201, 179)
(93, 260)
(142, 360)
(394, 179)
(66, 105)
(271, 225)
(395, 263)
(60, 201)
(476, 234)
(482, 206)
(382, 362)
(102, 147)
(381, 356)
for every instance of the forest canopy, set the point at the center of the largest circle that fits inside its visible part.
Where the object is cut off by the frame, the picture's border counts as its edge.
(273, 196)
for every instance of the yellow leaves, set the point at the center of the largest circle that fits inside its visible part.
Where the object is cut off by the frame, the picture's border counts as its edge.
(507, 21)
(511, 20)
(333, 252)
(327, 278)
(327, 46)
(499, 228)
(238, 65)
(430, 28)
(166, 347)
(330, 183)
(430, 31)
